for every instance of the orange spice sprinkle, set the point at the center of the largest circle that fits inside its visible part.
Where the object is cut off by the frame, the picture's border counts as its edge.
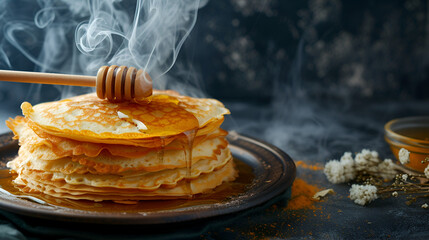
(302, 194)
(302, 164)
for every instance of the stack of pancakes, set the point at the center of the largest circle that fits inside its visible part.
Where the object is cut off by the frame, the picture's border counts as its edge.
(168, 147)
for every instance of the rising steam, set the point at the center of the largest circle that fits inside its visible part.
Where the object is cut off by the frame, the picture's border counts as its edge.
(150, 41)
(80, 36)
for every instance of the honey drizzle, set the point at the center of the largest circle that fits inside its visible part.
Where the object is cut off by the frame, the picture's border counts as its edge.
(218, 195)
(160, 152)
(188, 146)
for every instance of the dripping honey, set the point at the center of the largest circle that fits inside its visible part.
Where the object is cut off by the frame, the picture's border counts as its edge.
(217, 195)
(188, 146)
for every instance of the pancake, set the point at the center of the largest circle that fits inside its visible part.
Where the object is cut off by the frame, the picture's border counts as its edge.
(88, 118)
(61, 189)
(62, 147)
(170, 146)
(67, 166)
(141, 180)
(110, 158)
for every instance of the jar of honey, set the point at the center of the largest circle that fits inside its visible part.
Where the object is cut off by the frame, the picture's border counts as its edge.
(411, 133)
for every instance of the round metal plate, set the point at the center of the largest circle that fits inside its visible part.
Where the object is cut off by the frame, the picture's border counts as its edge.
(274, 172)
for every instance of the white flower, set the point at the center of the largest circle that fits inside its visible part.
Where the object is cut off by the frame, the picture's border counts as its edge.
(374, 154)
(367, 160)
(334, 171)
(349, 166)
(386, 169)
(366, 153)
(427, 171)
(370, 155)
(404, 177)
(347, 156)
(363, 194)
(360, 161)
(425, 206)
(395, 194)
(404, 156)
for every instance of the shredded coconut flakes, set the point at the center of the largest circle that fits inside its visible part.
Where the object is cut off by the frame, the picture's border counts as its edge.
(139, 124)
(122, 115)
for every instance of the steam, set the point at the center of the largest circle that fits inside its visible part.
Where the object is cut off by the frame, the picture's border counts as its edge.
(80, 36)
(150, 41)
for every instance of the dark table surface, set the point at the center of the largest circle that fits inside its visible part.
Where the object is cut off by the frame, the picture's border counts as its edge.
(310, 133)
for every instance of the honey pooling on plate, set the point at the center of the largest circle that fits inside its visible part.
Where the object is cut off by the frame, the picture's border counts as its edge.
(171, 147)
(216, 195)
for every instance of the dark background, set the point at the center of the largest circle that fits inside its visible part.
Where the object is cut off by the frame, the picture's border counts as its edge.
(327, 49)
(341, 50)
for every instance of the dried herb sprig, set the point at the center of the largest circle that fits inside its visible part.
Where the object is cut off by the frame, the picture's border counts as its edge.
(378, 179)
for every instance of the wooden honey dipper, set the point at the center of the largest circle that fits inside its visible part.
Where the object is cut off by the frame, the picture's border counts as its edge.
(114, 83)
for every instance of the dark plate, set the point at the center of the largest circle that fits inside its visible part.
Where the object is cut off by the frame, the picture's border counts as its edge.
(274, 172)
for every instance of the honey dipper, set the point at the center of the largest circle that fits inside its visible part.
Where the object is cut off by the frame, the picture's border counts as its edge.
(114, 83)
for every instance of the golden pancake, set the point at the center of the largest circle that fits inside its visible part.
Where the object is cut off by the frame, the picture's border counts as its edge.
(142, 180)
(107, 163)
(61, 189)
(63, 147)
(88, 118)
(67, 166)
(63, 165)
(155, 142)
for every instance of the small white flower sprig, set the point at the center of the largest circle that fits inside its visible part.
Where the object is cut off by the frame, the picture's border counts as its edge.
(377, 178)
